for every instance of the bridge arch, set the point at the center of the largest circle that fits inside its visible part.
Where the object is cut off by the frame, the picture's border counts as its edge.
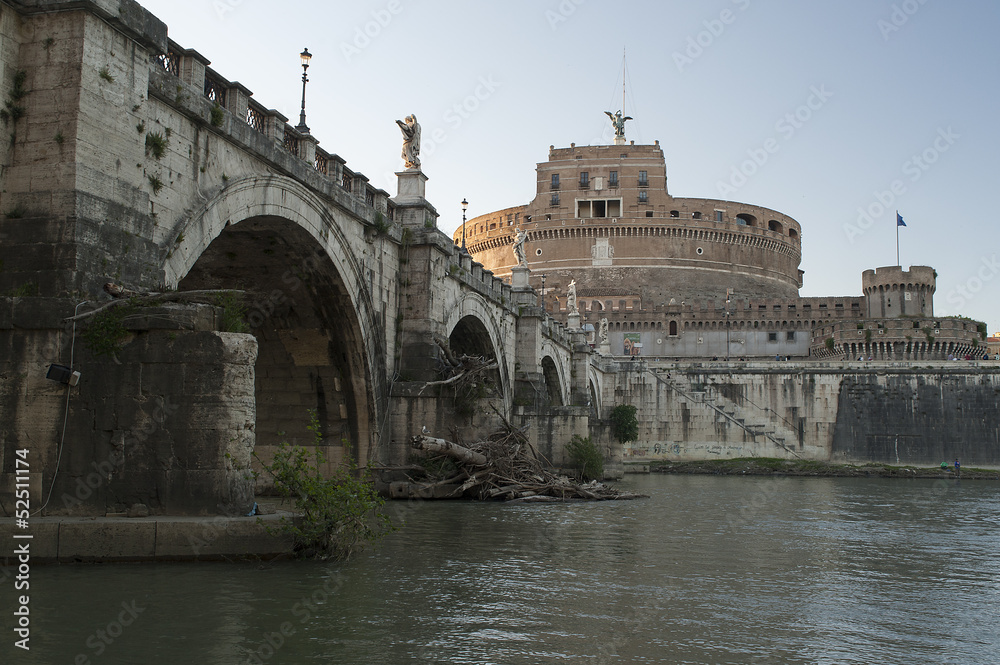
(475, 318)
(595, 386)
(321, 341)
(554, 383)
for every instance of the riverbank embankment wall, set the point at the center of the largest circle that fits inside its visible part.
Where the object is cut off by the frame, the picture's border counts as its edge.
(894, 413)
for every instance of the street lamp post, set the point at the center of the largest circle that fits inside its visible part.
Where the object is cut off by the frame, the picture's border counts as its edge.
(465, 206)
(305, 56)
(543, 292)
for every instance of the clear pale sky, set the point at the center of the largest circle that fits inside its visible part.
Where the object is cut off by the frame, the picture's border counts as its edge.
(875, 105)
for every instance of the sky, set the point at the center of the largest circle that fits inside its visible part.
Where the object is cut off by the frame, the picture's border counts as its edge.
(835, 113)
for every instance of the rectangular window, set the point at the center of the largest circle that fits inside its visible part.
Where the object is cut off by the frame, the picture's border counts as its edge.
(790, 336)
(584, 180)
(613, 179)
(588, 208)
(643, 196)
(555, 200)
(718, 215)
(643, 180)
(555, 181)
(772, 337)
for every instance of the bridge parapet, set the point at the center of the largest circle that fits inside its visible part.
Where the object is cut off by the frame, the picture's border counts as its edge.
(192, 68)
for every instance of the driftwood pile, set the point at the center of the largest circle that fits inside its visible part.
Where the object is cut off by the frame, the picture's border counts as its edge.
(502, 467)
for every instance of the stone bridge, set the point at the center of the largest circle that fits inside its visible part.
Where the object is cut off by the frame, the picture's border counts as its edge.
(132, 161)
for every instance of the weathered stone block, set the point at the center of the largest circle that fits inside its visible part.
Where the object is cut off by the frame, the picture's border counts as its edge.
(222, 536)
(107, 540)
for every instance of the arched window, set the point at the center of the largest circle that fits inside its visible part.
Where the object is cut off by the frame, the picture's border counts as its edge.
(775, 225)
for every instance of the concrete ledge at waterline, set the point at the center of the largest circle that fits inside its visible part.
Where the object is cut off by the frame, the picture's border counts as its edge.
(114, 539)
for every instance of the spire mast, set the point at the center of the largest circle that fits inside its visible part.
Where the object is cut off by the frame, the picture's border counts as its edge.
(624, 78)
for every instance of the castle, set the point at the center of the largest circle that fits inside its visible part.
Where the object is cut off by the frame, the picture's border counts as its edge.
(695, 278)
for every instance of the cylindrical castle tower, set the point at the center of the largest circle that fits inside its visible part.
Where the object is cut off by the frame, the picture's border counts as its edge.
(602, 216)
(891, 291)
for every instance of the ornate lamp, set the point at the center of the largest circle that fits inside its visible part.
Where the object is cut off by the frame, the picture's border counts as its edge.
(305, 56)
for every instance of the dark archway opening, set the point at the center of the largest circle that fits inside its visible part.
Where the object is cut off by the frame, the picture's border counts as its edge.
(553, 387)
(310, 356)
(470, 338)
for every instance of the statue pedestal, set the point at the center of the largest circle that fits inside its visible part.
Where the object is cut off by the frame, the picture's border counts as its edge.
(412, 209)
(604, 349)
(519, 277)
(573, 321)
(620, 140)
(410, 185)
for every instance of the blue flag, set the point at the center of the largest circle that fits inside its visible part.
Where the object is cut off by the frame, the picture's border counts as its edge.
(899, 220)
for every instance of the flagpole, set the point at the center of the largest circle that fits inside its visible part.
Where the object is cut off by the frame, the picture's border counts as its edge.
(897, 240)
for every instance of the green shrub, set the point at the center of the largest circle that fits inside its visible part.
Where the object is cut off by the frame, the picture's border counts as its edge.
(105, 333)
(217, 116)
(381, 224)
(586, 457)
(155, 183)
(340, 515)
(156, 145)
(233, 312)
(624, 423)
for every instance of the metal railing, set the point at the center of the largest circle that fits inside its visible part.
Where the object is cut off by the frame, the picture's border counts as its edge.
(216, 89)
(171, 62)
(256, 117)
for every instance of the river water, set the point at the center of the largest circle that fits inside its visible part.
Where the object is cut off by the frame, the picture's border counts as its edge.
(709, 569)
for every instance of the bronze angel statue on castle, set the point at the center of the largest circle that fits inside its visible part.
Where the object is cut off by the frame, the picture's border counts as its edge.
(618, 122)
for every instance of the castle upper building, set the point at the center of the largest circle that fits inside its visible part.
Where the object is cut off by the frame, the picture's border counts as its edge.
(603, 215)
(691, 277)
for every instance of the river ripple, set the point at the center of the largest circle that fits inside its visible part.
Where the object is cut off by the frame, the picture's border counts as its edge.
(707, 570)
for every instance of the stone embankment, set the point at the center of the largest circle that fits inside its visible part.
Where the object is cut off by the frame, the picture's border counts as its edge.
(764, 466)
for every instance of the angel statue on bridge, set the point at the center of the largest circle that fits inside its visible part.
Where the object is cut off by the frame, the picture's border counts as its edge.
(571, 298)
(519, 239)
(618, 122)
(411, 141)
